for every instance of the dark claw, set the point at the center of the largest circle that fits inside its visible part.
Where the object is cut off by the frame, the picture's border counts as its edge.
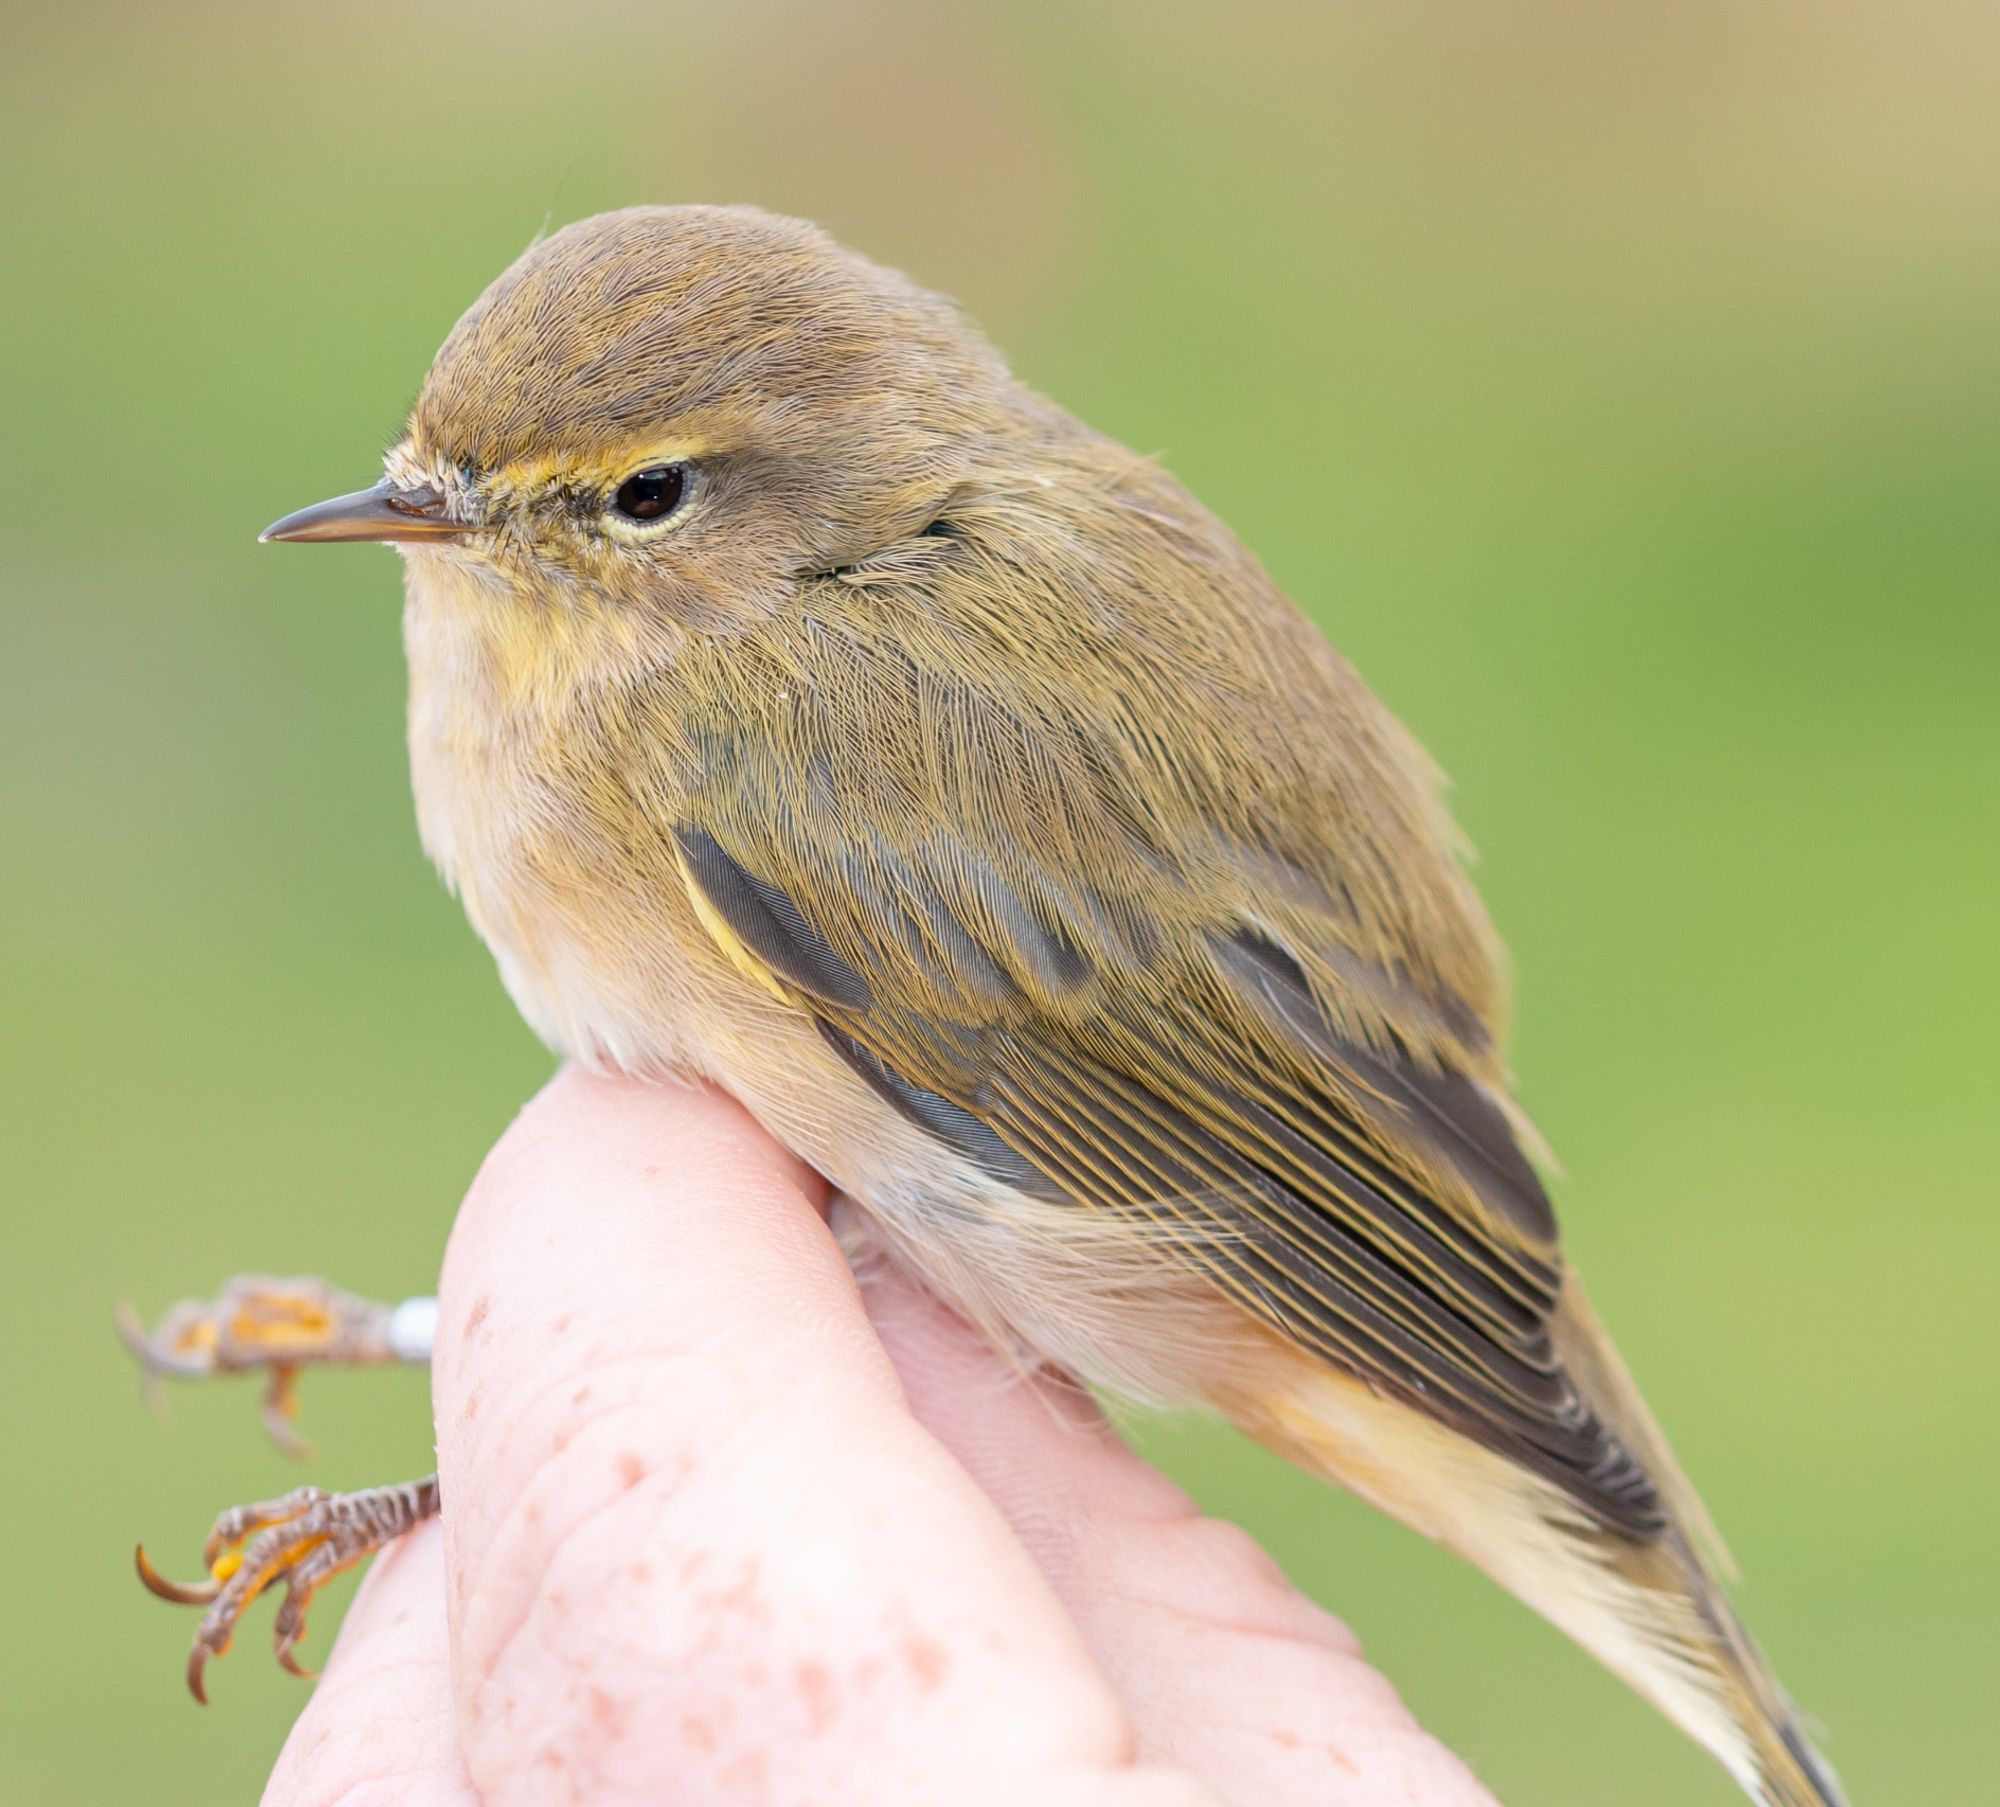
(151, 1356)
(181, 1593)
(289, 1626)
(277, 1414)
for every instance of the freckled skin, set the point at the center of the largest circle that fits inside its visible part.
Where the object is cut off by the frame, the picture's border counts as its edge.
(945, 782)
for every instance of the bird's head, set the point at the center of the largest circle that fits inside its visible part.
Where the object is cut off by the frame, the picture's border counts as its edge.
(680, 410)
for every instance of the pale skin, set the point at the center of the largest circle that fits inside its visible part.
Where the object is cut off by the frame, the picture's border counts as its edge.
(722, 1525)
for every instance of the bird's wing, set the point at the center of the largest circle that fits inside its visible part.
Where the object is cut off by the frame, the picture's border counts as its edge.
(986, 920)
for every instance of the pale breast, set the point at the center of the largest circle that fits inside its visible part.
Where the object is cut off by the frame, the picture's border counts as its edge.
(606, 966)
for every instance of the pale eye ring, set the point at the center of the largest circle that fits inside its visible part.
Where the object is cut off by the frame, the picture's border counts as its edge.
(651, 495)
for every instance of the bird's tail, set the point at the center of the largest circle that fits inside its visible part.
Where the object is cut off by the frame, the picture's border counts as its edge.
(1793, 1774)
(1652, 1611)
(1675, 1638)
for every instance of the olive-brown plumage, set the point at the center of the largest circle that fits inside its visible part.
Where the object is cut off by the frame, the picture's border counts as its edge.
(943, 780)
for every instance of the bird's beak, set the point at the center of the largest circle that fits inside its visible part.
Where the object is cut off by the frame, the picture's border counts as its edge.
(382, 513)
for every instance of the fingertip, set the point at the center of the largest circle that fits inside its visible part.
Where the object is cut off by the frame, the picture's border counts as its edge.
(618, 1216)
(627, 1137)
(678, 1465)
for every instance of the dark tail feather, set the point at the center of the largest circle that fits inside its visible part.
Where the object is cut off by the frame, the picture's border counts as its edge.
(1811, 1783)
(1771, 1756)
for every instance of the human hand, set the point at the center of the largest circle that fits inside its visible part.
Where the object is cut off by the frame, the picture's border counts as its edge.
(723, 1526)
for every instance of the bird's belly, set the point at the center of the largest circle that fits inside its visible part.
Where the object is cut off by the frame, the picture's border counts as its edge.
(625, 989)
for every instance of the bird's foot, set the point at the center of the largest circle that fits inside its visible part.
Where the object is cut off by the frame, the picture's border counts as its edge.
(302, 1541)
(257, 1324)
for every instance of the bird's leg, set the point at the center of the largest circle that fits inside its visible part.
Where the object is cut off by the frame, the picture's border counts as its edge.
(257, 1324)
(302, 1540)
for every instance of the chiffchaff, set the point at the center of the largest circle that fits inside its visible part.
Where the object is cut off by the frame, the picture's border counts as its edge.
(800, 703)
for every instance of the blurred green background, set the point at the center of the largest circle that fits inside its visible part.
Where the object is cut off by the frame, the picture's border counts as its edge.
(1618, 387)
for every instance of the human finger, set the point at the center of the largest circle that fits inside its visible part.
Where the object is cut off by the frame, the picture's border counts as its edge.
(695, 1543)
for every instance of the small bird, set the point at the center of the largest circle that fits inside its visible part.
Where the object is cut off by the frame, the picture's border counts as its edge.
(801, 703)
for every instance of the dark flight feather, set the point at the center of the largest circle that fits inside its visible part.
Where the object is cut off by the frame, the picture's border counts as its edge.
(1272, 1150)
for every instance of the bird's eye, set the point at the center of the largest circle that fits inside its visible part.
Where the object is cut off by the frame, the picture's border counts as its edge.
(652, 494)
